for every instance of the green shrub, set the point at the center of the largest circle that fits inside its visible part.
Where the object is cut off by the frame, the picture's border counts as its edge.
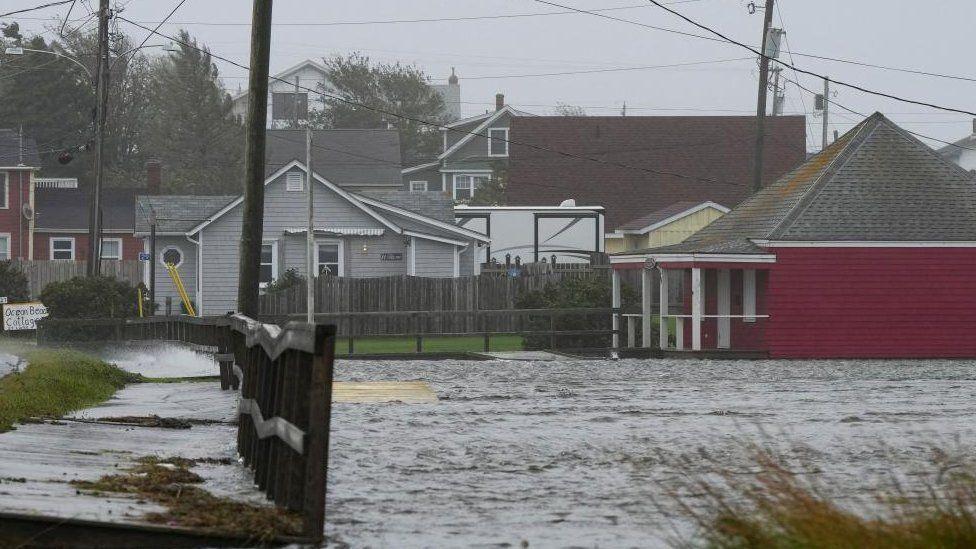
(13, 282)
(98, 297)
(573, 293)
(291, 279)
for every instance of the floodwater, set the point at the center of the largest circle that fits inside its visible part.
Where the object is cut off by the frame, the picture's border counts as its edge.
(8, 363)
(159, 359)
(581, 453)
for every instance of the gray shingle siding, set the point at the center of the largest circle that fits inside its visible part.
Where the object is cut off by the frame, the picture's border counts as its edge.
(434, 259)
(477, 147)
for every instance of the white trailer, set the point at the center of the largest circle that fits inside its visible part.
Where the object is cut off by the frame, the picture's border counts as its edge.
(571, 233)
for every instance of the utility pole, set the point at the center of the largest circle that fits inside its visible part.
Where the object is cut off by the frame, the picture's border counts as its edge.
(152, 259)
(778, 95)
(101, 108)
(761, 106)
(310, 233)
(252, 227)
(294, 104)
(826, 109)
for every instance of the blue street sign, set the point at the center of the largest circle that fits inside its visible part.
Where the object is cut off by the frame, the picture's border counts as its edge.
(144, 256)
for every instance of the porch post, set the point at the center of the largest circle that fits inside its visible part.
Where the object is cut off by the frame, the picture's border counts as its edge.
(663, 310)
(615, 303)
(646, 308)
(697, 295)
(724, 307)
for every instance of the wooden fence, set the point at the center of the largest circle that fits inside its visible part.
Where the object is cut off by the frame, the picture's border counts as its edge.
(285, 379)
(40, 273)
(409, 293)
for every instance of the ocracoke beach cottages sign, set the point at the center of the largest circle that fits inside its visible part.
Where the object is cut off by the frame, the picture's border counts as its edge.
(23, 316)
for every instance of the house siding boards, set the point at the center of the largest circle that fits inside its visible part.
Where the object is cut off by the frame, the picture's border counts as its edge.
(187, 269)
(434, 259)
(12, 222)
(672, 233)
(431, 175)
(873, 303)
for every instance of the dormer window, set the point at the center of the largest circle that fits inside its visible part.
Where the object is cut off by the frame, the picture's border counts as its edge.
(498, 142)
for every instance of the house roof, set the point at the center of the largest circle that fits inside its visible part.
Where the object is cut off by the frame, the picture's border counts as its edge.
(468, 135)
(67, 209)
(667, 214)
(11, 153)
(877, 182)
(638, 164)
(283, 75)
(954, 150)
(352, 157)
(177, 213)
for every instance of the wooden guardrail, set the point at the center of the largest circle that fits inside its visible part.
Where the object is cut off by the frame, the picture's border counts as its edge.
(285, 379)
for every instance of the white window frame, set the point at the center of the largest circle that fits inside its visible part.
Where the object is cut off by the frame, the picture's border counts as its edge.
(341, 251)
(470, 177)
(274, 261)
(292, 179)
(492, 140)
(162, 254)
(422, 184)
(54, 239)
(101, 249)
(5, 179)
(10, 242)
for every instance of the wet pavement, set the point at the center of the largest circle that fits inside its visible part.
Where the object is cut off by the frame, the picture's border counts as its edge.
(580, 453)
(8, 363)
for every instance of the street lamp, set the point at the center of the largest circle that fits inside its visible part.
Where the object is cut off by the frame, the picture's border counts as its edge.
(20, 51)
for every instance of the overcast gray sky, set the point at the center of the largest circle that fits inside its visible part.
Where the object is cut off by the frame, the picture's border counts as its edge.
(931, 36)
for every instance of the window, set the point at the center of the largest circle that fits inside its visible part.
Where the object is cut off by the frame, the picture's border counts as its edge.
(498, 142)
(269, 263)
(4, 192)
(283, 106)
(418, 186)
(112, 248)
(465, 185)
(4, 246)
(295, 181)
(171, 256)
(63, 248)
(329, 258)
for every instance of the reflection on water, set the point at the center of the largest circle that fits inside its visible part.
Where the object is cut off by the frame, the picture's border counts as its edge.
(577, 453)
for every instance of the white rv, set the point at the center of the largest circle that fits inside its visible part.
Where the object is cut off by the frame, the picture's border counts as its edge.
(571, 233)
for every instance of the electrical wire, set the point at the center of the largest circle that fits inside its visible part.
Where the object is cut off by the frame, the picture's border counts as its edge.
(146, 39)
(35, 8)
(618, 69)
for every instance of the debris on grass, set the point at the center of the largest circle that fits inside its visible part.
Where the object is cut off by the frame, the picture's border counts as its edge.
(170, 483)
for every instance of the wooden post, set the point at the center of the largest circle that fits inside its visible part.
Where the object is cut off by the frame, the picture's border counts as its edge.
(615, 304)
(646, 294)
(317, 434)
(663, 298)
(697, 299)
(724, 307)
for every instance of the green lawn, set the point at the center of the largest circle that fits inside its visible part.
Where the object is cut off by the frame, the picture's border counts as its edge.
(458, 344)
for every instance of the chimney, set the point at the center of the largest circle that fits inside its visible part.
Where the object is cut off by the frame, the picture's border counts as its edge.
(153, 177)
(499, 101)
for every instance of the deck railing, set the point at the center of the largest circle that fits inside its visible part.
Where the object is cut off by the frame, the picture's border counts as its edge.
(285, 379)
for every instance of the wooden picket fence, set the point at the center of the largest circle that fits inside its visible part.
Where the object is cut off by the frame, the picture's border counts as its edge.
(285, 379)
(40, 273)
(409, 293)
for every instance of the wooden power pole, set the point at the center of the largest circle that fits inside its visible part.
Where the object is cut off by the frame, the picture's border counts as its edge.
(252, 227)
(101, 108)
(761, 107)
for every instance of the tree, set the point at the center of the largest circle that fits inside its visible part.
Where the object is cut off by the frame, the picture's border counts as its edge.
(383, 88)
(492, 193)
(13, 282)
(192, 129)
(563, 109)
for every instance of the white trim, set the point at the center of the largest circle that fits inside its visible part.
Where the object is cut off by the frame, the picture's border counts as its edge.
(6, 191)
(724, 308)
(749, 295)
(419, 167)
(472, 170)
(465, 121)
(106, 231)
(329, 185)
(168, 248)
(675, 217)
(285, 73)
(691, 257)
(613, 235)
(476, 265)
(663, 309)
(274, 261)
(10, 240)
(425, 236)
(51, 250)
(412, 254)
(504, 140)
(145, 266)
(866, 243)
(457, 261)
(411, 189)
(340, 252)
(477, 131)
(615, 303)
(199, 307)
(646, 312)
(101, 249)
(697, 300)
(428, 220)
(488, 209)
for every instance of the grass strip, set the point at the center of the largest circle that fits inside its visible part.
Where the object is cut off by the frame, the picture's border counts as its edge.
(56, 382)
(442, 344)
(170, 483)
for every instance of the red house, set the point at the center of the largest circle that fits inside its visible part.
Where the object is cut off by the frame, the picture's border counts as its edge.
(868, 249)
(18, 162)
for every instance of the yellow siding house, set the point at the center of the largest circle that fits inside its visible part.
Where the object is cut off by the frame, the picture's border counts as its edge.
(664, 227)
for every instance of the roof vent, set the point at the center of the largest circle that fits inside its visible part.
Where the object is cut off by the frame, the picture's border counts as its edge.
(568, 203)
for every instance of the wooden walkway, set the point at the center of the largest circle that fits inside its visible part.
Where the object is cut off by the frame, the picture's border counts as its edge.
(409, 392)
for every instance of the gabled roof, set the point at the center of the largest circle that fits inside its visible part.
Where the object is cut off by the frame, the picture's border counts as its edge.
(291, 70)
(637, 164)
(668, 214)
(877, 182)
(11, 153)
(430, 212)
(954, 150)
(346, 157)
(488, 119)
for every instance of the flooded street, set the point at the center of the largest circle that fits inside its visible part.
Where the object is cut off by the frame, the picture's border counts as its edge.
(577, 453)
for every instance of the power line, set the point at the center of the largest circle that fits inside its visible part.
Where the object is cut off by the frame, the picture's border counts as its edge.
(35, 8)
(146, 39)
(618, 69)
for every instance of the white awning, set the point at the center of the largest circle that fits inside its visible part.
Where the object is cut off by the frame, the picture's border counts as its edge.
(341, 231)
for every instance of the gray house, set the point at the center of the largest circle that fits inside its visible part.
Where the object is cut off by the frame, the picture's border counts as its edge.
(365, 226)
(473, 148)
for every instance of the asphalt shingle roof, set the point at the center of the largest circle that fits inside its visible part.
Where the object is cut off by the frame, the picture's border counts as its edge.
(67, 209)
(713, 153)
(344, 157)
(877, 182)
(10, 149)
(658, 216)
(177, 213)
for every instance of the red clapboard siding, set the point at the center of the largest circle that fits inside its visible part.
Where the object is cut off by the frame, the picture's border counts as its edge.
(872, 303)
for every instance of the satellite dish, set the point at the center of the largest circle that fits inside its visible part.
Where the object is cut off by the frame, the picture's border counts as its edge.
(27, 211)
(568, 203)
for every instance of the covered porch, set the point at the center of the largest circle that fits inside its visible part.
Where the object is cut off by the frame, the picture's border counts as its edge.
(704, 302)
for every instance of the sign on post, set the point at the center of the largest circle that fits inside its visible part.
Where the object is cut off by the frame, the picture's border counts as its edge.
(3, 299)
(144, 256)
(23, 316)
